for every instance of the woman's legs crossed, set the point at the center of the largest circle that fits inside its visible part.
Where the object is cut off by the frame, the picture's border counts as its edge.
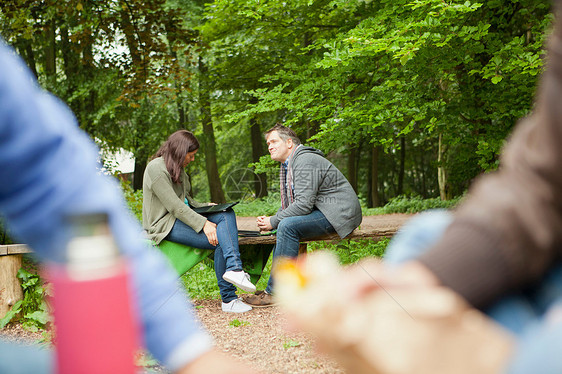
(184, 234)
(227, 234)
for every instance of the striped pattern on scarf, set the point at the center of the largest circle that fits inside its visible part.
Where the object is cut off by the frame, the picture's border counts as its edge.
(286, 182)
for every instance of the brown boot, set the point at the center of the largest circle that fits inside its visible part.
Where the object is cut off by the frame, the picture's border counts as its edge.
(260, 299)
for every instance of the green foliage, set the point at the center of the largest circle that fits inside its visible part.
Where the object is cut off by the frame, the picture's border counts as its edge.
(237, 323)
(200, 281)
(404, 204)
(32, 309)
(133, 199)
(290, 343)
(267, 206)
(4, 233)
(145, 360)
(351, 251)
(16, 308)
(427, 83)
(360, 73)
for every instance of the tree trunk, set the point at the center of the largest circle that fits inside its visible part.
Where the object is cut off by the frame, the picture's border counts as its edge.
(352, 167)
(401, 170)
(260, 180)
(444, 190)
(50, 52)
(26, 51)
(373, 183)
(423, 175)
(138, 62)
(172, 38)
(209, 143)
(141, 151)
(138, 174)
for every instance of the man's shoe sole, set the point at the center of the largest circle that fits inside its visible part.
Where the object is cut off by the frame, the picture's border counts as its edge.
(255, 305)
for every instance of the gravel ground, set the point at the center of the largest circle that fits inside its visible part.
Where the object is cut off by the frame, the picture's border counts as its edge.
(262, 340)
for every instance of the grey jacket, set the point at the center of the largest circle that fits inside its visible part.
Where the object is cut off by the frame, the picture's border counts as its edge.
(163, 202)
(319, 184)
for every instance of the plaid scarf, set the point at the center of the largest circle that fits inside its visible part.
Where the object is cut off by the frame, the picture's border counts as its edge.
(286, 181)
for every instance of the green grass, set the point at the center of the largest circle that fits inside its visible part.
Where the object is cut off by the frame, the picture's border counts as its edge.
(237, 323)
(200, 281)
(351, 251)
(290, 343)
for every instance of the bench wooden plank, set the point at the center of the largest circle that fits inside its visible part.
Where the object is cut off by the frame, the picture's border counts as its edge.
(373, 234)
(14, 249)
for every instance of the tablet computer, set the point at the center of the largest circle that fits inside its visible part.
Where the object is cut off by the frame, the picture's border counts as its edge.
(214, 208)
(254, 233)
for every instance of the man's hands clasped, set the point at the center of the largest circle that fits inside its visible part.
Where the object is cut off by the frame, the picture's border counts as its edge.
(264, 223)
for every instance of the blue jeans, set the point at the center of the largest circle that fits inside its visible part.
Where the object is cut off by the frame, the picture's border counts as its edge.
(533, 315)
(292, 229)
(227, 252)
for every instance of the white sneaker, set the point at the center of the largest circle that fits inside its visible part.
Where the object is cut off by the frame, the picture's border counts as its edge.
(239, 279)
(236, 306)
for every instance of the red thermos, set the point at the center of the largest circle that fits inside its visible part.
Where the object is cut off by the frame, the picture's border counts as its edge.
(96, 329)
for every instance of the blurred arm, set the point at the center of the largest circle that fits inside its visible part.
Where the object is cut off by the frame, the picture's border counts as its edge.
(47, 170)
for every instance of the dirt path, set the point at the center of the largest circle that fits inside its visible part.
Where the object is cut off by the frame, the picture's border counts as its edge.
(260, 338)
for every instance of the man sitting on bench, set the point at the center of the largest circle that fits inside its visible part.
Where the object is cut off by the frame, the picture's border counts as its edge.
(316, 199)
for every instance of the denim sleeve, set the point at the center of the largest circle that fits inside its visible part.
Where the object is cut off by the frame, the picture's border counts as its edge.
(48, 168)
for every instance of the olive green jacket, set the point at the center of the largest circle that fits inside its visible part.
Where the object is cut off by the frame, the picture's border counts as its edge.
(163, 202)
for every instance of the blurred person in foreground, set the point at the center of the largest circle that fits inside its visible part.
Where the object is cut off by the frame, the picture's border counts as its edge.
(48, 169)
(501, 250)
(316, 199)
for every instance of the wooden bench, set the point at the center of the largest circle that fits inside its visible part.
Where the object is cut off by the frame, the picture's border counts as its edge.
(371, 234)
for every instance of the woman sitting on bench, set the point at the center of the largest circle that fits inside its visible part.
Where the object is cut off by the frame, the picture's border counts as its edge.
(166, 216)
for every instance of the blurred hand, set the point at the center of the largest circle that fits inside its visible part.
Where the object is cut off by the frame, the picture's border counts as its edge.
(216, 362)
(264, 223)
(371, 275)
(210, 230)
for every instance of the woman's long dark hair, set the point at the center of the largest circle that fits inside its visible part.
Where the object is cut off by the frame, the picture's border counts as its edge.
(174, 150)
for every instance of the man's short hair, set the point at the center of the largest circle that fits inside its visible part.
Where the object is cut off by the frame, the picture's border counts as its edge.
(284, 132)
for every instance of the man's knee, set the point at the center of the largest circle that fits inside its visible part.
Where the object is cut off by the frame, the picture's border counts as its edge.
(287, 226)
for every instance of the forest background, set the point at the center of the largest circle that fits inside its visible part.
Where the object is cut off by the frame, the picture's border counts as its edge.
(406, 97)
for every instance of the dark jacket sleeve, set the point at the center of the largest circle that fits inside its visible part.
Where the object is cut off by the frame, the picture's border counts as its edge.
(509, 231)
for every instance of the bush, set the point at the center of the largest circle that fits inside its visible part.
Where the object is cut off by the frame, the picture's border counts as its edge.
(351, 251)
(266, 206)
(415, 204)
(4, 233)
(133, 199)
